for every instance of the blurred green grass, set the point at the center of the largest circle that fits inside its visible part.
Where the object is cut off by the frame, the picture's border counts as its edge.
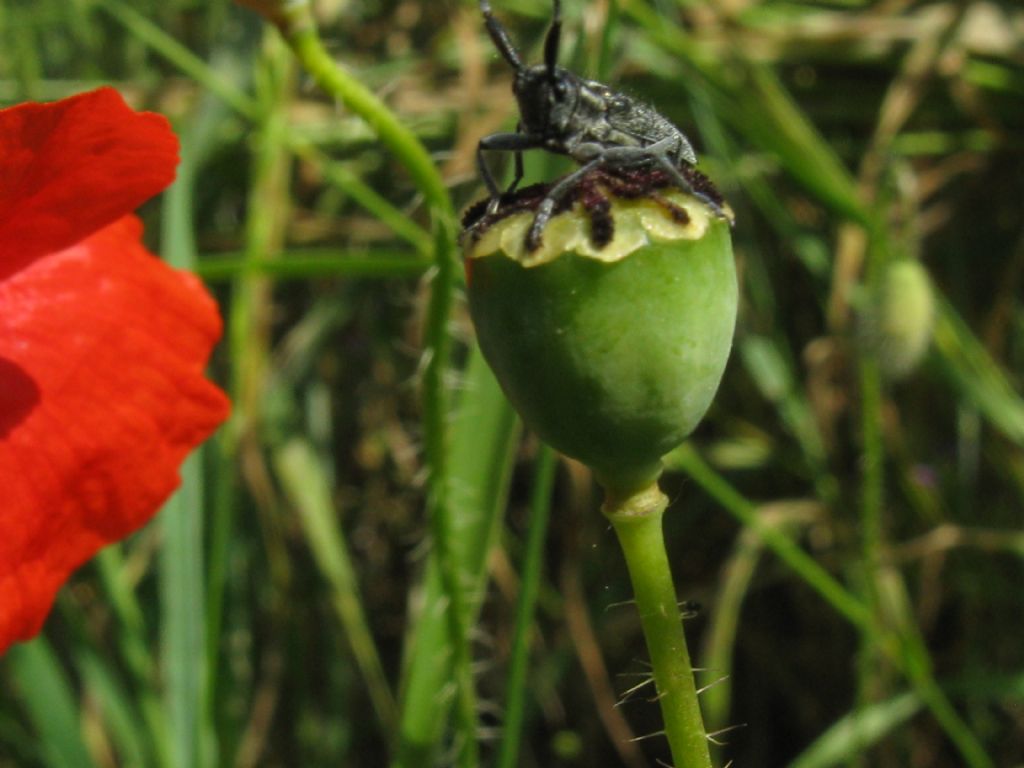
(862, 608)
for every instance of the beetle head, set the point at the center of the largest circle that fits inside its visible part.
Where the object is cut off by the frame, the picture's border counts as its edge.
(546, 93)
(547, 99)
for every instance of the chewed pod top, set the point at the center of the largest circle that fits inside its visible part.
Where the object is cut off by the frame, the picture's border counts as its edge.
(617, 215)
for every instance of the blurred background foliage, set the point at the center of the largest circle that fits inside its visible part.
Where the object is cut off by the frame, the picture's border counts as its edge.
(849, 517)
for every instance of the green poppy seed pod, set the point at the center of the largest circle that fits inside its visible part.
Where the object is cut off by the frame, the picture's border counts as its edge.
(611, 354)
(900, 317)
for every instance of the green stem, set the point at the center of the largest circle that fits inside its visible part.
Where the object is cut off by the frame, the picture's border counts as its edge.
(296, 23)
(302, 36)
(637, 522)
(435, 417)
(366, 196)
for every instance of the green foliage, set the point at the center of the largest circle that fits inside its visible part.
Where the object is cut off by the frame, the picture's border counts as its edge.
(855, 543)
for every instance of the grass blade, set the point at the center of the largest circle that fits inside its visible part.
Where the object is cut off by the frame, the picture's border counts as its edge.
(536, 535)
(183, 606)
(50, 703)
(970, 369)
(306, 485)
(854, 733)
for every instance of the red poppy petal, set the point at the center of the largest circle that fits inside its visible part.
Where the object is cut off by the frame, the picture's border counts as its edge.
(73, 166)
(102, 350)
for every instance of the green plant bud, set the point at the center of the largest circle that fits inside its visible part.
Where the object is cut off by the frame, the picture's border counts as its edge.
(611, 354)
(899, 318)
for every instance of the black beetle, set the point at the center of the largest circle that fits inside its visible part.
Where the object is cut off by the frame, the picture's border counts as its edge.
(586, 120)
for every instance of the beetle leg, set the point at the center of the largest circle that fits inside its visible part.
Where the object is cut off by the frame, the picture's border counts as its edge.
(597, 205)
(518, 157)
(502, 142)
(687, 187)
(594, 155)
(658, 153)
(611, 156)
(551, 199)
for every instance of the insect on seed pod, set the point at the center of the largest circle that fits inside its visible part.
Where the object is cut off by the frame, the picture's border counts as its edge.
(605, 302)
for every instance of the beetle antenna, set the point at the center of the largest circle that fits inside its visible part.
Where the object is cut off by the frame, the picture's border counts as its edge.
(500, 37)
(552, 40)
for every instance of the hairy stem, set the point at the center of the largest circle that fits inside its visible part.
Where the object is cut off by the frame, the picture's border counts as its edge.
(637, 519)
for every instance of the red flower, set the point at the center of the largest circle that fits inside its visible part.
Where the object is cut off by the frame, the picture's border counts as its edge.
(102, 346)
